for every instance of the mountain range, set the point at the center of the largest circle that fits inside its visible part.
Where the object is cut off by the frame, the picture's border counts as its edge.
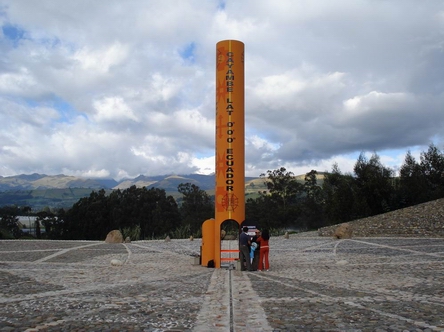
(62, 191)
(42, 181)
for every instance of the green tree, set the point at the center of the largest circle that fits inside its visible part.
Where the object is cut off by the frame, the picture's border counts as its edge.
(432, 167)
(286, 192)
(88, 219)
(264, 211)
(340, 195)
(159, 214)
(413, 185)
(52, 222)
(151, 211)
(282, 185)
(312, 215)
(9, 222)
(374, 184)
(38, 232)
(197, 206)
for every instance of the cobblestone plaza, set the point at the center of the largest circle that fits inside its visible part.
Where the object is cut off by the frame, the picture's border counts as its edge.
(314, 284)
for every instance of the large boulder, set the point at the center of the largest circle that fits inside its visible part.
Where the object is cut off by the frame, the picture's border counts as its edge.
(114, 236)
(344, 231)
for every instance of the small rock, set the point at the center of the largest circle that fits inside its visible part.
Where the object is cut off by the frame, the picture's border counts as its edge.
(116, 262)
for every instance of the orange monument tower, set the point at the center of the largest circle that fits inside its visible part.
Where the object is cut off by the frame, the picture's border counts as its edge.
(230, 146)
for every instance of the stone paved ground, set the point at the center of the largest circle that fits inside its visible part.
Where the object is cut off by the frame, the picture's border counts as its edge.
(314, 284)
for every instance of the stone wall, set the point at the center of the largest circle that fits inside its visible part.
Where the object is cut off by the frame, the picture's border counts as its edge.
(425, 219)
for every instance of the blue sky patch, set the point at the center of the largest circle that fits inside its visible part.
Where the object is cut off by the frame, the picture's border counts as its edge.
(221, 5)
(13, 33)
(66, 111)
(187, 53)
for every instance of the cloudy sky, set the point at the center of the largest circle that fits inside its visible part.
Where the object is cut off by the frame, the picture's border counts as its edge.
(121, 88)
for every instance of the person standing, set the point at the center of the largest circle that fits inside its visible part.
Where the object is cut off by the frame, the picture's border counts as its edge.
(264, 250)
(255, 263)
(244, 249)
(253, 250)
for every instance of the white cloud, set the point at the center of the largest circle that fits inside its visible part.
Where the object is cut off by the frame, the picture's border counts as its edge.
(113, 89)
(19, 83)
(101, 60)
(204, 165)
(112, 108)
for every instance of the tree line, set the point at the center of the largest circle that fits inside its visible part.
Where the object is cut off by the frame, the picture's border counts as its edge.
(139, 213)
(372, 189)
(142, 213)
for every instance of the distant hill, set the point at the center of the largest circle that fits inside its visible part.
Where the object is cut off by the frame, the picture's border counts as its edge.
(62, 191)
(41, 181)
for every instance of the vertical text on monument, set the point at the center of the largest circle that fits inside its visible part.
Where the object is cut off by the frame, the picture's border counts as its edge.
(230, 130)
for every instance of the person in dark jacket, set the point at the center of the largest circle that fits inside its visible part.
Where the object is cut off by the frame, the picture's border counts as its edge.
(244, 250)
